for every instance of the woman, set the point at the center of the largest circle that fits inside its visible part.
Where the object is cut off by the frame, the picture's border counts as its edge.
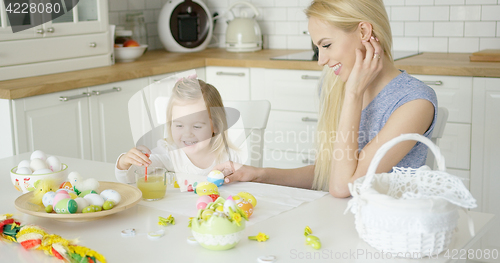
(365, 101)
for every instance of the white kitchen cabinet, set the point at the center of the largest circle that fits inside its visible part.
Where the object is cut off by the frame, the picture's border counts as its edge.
(79, 39)
(109, 122)
(455, 94)
(232, 83)
(289, 138)
(46, 123)
(485, 154)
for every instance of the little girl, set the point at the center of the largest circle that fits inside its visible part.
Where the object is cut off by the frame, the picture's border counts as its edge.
(196, 122)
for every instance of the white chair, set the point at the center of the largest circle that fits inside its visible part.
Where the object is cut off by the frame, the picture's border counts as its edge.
(442, 117)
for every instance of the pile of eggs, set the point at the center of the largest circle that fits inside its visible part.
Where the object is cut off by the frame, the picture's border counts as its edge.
(39, 163)
(66, 201)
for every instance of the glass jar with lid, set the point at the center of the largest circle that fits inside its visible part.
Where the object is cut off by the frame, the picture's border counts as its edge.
(121, 36)
(135, 23)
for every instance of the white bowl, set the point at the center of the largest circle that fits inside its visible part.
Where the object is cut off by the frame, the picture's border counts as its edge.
(129, 54)
(24, 182)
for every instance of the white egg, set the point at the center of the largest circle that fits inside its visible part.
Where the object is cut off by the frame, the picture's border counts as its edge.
(94, 199)
(54, 164)
(82, 203)
(38, 154)
(48, 198)
(42, 171)
(229, 203)
(112, 195)
(37, 164)
(23, 170)
(24, 163)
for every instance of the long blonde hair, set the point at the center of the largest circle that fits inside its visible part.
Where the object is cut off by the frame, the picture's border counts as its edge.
(187, 89)
(345, 15)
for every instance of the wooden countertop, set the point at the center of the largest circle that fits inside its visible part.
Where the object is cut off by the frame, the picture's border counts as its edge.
(157, 62)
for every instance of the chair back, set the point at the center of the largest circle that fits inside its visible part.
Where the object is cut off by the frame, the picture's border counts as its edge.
(442, 117)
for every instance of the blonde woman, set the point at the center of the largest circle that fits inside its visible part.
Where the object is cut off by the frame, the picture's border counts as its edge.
(365, 101)
(196, 124)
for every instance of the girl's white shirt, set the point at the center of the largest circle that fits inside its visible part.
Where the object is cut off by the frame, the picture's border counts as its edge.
(175, 160)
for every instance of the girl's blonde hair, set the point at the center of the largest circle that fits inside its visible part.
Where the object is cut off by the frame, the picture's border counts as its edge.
(188, 89)
(345, 15)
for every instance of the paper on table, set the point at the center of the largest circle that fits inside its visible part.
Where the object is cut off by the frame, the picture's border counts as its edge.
(271, 199)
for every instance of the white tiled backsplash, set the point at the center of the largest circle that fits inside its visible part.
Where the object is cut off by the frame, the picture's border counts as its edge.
(423, 25)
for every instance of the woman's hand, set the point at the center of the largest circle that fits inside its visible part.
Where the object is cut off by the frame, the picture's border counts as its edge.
(136, 156)
(366, 68)
(240, 173)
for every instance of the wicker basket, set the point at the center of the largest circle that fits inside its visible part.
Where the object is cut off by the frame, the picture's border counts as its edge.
(408, 212)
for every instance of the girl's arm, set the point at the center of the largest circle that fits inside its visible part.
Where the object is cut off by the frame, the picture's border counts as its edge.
(300, 177)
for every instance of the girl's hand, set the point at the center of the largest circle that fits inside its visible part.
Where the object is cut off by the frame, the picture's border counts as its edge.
(136, 156)
(240, 173)
(365, 68)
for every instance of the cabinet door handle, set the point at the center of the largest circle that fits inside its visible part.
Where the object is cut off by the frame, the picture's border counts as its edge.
(99, 92)
(83, 95)
(50, 30)
(436, 83)
(230, 74)
(307, 161)
(92, 44)
(309, 77)
(40, 31)
(307, 119)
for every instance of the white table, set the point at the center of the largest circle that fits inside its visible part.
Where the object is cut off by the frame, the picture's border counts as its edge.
(340, 241)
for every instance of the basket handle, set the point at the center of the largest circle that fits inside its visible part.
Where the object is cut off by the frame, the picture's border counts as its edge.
(388, 145)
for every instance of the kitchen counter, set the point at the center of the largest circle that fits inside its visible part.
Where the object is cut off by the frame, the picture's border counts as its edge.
(160, 62)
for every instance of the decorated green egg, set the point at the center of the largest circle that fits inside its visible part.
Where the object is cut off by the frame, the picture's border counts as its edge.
(66, 206)
(86, 192)
(91, 209)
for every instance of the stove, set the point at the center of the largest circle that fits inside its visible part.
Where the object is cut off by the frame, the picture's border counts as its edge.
(310, 56)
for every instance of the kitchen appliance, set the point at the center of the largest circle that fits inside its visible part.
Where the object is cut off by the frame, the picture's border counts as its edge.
(243, 33)
(310, 55)
(185, 26)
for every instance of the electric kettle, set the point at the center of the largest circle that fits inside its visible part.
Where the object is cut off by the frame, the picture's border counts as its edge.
(243, 33)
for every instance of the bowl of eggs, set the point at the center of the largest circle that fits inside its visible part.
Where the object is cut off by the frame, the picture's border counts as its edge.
(27, 172)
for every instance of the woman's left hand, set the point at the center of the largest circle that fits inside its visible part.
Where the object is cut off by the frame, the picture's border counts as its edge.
(366, 68)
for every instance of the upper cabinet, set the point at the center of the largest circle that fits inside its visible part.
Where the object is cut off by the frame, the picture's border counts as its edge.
(88, 16)
(73, 38)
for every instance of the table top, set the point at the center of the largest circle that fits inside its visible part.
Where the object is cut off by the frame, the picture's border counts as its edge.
(325, 216)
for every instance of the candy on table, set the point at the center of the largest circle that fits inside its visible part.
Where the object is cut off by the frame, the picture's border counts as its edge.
(34, 237)
(261, 237)
(165, 221)
(311, 240)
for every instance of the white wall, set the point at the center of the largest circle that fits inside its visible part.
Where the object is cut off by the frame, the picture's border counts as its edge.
(425, 25)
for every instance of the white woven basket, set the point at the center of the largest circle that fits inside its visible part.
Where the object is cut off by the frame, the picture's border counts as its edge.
(408, 212)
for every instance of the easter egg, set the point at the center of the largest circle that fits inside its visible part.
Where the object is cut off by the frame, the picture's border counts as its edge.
(248, 197)
(82, 203)
(24, 163)
(111, 195)
(54, 164)
(206, 188)
(229, 203)
(59, 196)
(204, 199)
(48, 198)
(66, 206)
(49, 209)
(86, 192)
(246, 207)
(94, 199)
(37, 164)
(43, 171)
(216, 177)
(66, 185)
(23, 170)
(38, 155)
(91, 209)
(108, 205)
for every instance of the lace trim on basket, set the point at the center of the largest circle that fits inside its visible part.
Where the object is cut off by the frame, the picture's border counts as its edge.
(217, 240)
